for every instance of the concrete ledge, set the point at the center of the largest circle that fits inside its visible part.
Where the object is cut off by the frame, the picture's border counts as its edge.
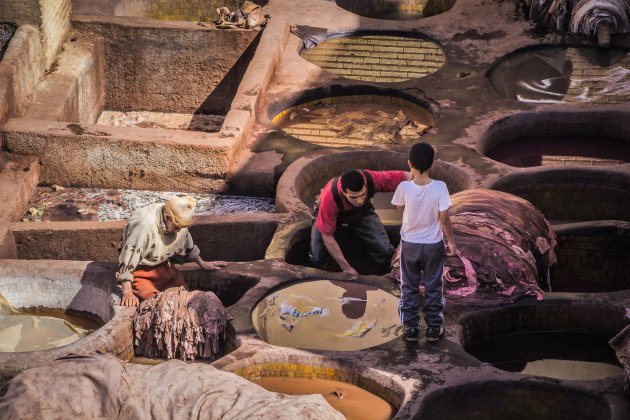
(122, 157)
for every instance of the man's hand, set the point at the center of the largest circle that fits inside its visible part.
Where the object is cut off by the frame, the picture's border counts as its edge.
(351, 271)
(128, 298)
(211, 265)
(451, 250)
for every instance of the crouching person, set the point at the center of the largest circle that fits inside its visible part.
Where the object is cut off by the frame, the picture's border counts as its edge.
(155, 238)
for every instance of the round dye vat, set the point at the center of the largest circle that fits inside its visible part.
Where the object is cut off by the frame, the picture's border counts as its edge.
(560, 355)
(396, 9)
(561, 151)
(557, 340)
(555, 74)
(377, 58)
(520, 400)
(356, 120)
(40, 330)
(351, 401)
(327, 315)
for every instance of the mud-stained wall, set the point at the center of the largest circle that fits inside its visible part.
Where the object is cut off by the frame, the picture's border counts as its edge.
(427, 7)
(52, 17)
(172, 70)
(222, 239)
(195, 10)
(593, 82)
(377, 58)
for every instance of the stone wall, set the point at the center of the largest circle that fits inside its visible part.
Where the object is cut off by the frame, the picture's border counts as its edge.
(52, 17)
(172, 70)
(194, 10)
(377, 58)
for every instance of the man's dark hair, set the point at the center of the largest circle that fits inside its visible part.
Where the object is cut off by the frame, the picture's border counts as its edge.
(421, 156)
(352, 180)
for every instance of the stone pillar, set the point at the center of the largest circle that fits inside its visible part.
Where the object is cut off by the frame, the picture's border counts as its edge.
(51, 17)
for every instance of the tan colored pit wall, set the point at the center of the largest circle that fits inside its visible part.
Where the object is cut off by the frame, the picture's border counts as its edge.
(377, 58)
(52, 17)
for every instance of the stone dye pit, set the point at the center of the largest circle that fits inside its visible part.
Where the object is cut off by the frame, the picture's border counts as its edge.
(346, 316)
(356, 120)
(350, 400)
(377, 58)
(548, 75)
(549, 340)
(397, 9)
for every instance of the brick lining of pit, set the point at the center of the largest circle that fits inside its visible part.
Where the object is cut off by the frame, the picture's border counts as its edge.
(572, 194)
(592, 257)
(377, 57)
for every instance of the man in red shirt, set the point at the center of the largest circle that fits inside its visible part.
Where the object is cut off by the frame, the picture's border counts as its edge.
(347, 200)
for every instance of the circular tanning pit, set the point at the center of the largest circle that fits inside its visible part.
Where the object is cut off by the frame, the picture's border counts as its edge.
(592, 257)
(356, 120)
(303, 180)
(327, 315)
(396, 9)
(75, 288)
(559, 139)
(493, 400)
(557, 340)
(561, 74)
(356, 394)
(572, 194)
(377, 58)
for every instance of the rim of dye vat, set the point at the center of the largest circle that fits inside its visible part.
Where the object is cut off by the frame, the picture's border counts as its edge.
(396, 9)
(490, 400)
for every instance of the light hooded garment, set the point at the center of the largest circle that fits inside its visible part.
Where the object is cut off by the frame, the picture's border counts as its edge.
(146, 242)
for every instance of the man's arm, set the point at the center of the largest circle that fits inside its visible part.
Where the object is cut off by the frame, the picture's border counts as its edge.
(335, 251)
(210, 265)
(447, 228)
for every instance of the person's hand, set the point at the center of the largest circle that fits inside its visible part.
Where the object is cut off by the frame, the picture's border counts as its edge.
(351, 271)
(451, 250)
(129, 299)
(212, 265)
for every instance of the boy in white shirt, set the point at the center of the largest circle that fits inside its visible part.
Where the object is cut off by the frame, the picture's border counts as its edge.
(425, 203)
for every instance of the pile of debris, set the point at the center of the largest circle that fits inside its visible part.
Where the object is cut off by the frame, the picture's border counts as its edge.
(249, 16)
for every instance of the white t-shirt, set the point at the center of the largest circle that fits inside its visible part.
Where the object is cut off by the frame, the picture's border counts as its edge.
(420, 222)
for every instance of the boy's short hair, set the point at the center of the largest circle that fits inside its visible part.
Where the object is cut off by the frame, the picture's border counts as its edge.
(352, 180)
(421, 156)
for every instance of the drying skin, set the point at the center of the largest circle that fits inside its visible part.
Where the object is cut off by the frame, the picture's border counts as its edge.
(180, 324)
(588, 14)
(506, 249)
(100, 386)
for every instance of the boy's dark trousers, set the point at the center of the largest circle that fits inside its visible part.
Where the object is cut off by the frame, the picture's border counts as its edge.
(415, 259)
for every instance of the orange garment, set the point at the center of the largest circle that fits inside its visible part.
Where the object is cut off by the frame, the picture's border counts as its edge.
(149, 281)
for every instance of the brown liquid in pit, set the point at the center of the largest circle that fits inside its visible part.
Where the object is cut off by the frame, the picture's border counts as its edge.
(42, 329)
(351, 401)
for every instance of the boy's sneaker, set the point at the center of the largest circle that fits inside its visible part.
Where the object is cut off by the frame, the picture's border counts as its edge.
(434, 333)
(412, 334)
